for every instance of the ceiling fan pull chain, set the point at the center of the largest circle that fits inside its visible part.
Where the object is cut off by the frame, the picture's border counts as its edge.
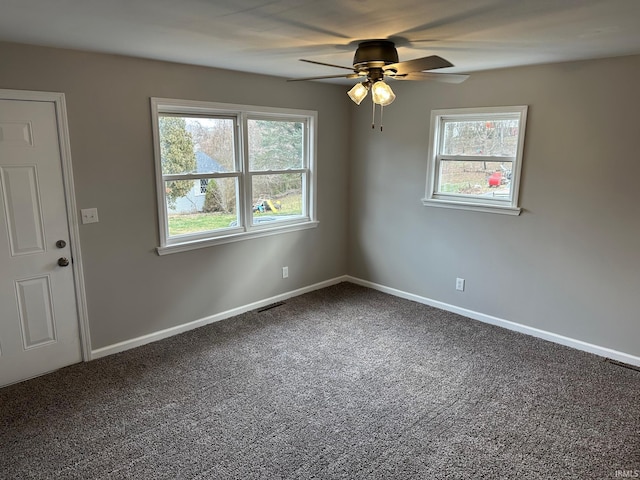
(381, 112)
(373, 120)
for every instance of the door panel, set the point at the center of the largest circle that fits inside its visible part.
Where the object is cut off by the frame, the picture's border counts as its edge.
(38, 317)
(35, 309)
(22, 209)
(16, 134)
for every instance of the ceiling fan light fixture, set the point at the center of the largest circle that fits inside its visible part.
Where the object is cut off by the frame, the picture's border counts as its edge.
(358, 92)
(376, 60)
(382, 94)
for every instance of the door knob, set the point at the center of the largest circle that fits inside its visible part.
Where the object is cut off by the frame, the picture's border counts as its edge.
(63, 261)
(61, 244)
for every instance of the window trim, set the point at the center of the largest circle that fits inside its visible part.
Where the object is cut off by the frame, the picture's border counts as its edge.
(241, 113)
(468, 202)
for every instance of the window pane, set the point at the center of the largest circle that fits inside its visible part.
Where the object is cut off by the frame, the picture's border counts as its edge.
(481, 137)
(190, 212)
(277, 197)
(275, 145)
(485, 179)
(196, 144)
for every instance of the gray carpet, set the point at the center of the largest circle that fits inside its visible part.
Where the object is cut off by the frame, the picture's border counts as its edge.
(341, 383)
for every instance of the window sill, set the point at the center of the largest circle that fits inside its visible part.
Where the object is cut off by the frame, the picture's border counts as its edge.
(478, 207)
(235, 237)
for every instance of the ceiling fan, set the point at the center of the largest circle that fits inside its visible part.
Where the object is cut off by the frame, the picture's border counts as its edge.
(377, 60)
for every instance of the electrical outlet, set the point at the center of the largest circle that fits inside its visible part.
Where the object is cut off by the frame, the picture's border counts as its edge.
(285, 272)
(460, 284)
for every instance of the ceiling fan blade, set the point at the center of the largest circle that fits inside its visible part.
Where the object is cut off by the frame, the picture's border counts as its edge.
(419, 64)
(326, 64)
(349, 75)
(439, 77)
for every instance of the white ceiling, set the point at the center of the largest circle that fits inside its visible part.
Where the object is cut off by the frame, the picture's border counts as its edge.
(269, 36)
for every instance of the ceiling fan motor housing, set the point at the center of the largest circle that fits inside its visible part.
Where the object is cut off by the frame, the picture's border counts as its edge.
(375, 54)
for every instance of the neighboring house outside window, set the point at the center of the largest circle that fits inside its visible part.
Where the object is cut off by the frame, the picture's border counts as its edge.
(475, 158)
(190, 203)
(231, 172)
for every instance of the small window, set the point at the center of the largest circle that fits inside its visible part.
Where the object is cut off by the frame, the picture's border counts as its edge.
(230, 172)
(201, 186)
(475, 158)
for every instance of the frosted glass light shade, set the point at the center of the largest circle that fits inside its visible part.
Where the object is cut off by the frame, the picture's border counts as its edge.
(382, 93)
(357, 93)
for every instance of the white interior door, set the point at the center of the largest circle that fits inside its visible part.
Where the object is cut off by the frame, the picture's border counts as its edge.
(39, 329)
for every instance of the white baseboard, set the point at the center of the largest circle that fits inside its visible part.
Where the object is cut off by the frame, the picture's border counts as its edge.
(535, 332)
(169, 332)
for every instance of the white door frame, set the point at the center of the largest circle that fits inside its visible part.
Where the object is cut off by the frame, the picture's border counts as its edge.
(58, 99)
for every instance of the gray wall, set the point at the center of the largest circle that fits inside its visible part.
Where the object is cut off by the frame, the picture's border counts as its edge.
(131, 291)
(570, 263)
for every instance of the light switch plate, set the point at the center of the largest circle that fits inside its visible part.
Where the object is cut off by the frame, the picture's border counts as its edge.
(89, 215)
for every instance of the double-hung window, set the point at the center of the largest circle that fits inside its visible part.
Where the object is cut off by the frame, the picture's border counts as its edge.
(230, 172)
(475, 158)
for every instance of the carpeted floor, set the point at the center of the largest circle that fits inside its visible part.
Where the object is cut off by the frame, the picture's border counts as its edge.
(342, 383)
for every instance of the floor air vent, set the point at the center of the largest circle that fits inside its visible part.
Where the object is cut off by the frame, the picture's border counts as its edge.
(625, 365)
(269, 307)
